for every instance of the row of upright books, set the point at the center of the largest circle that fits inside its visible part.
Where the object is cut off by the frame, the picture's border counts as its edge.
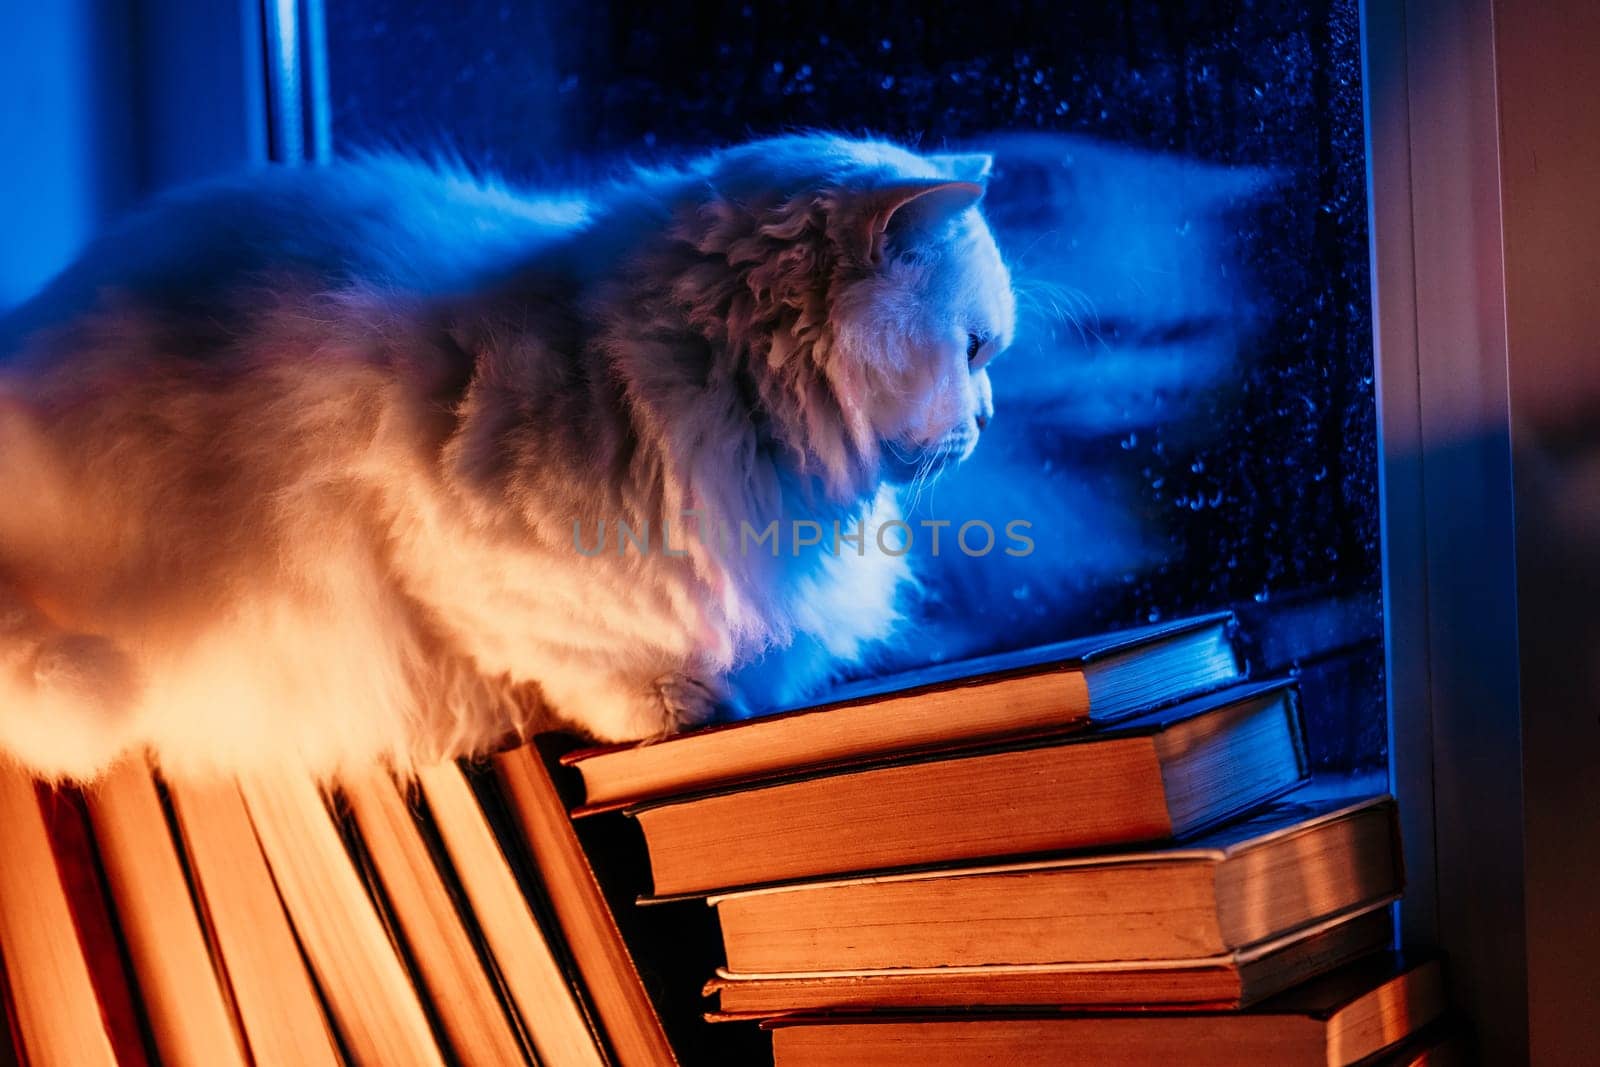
(1102, 851)
(1108, 850)
(265, 922)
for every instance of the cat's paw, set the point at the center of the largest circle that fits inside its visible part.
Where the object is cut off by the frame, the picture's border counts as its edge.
(66, 704)
(685, 702)
(88, 671)
(615, 710)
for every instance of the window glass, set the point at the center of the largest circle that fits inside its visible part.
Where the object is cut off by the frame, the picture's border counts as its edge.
(1187, 417)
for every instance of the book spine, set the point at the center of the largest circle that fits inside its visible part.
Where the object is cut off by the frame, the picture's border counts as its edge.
(410, 886)
(541, 988)
(182, 992)
(373, 1002)
(625, 1009)
(88, 898)
(278, 1008)
(52, 991)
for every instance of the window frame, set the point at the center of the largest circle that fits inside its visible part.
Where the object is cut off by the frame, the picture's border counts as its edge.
(1442, 359)
(1483, 748)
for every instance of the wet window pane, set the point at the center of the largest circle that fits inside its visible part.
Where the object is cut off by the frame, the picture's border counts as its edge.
(1187, 417)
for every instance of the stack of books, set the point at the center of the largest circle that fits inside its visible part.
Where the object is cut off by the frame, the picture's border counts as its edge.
(1102, 851)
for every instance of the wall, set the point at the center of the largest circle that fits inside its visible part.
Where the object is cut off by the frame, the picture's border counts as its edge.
(66, 75)
(108, 101)
(1548, 70)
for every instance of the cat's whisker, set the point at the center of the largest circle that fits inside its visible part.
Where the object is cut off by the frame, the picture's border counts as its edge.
(1053, 303)
(925, 472)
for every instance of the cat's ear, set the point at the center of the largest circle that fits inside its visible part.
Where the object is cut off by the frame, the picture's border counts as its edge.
(974, 167)
(920, 201)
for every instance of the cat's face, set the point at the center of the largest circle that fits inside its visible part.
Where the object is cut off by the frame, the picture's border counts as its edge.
(925, 322)
(871, 290)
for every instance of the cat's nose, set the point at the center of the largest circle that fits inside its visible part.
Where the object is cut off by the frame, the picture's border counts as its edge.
(982, 420)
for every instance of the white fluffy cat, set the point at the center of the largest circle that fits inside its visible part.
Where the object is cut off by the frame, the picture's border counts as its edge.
(305, 468)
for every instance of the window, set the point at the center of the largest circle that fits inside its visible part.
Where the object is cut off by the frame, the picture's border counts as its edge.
(1187, 418)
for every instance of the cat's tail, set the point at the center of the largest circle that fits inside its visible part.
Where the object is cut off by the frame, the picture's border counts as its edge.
(65, 697)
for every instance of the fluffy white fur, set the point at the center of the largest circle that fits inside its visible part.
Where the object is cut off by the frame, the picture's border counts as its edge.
(291, 464)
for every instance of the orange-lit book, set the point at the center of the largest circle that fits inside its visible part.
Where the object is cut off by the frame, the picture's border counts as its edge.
(1046, 689)
(519, 950)
(374, 1005)
(252, 943)
(436, 935)
(625, 1009)
(1344, 1018)
(79, 867)
(1251, 881)
(182, 991)
(56, 1007)
(1231, 980)
(1155, 777)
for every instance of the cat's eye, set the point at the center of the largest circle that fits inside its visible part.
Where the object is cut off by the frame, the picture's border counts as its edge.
(974, 345)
